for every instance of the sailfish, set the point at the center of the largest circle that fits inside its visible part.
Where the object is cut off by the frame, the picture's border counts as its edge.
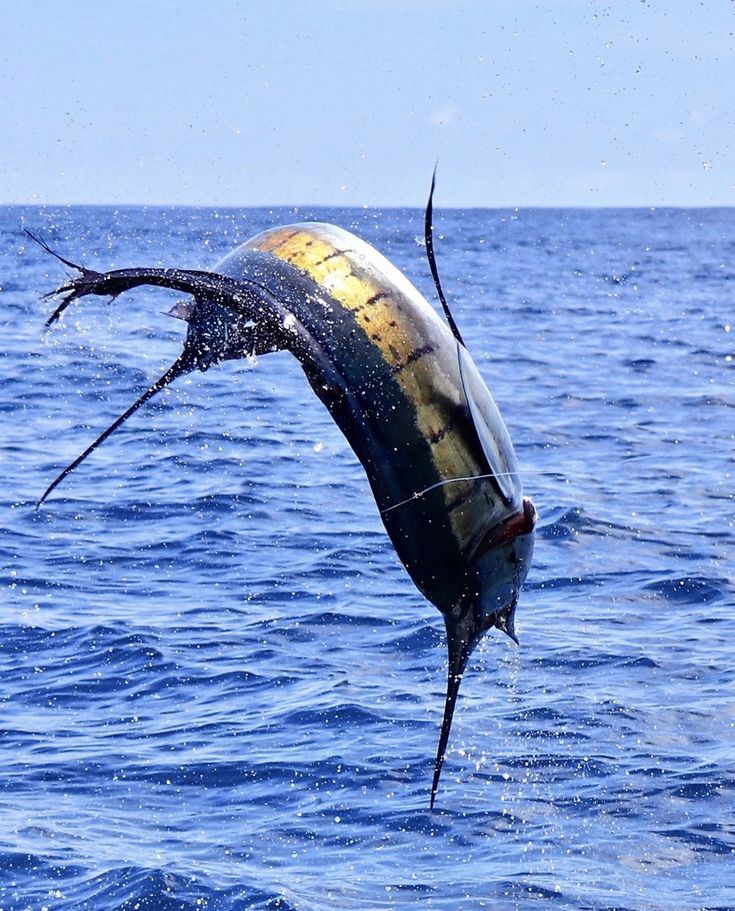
(402, 387)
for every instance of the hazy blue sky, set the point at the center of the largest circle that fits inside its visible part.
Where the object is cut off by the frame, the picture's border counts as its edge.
(571, 102)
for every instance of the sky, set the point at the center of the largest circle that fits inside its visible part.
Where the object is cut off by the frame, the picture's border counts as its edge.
(562, 103)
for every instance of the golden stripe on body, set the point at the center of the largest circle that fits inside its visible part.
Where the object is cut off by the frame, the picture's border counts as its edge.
(379, 313)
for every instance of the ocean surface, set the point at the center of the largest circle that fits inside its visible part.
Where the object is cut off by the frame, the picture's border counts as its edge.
(219, 688)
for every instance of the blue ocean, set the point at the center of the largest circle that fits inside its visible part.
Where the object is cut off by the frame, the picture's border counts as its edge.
(219, 688)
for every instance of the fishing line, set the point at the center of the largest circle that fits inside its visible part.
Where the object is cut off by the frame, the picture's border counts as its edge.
(474, 477)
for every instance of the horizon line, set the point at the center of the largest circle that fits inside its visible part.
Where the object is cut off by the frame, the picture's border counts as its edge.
(367, 208)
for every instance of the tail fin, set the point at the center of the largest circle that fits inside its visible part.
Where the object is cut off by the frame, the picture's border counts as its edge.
(181, 365)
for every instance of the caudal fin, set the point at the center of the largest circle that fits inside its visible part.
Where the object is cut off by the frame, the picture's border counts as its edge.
(181, 365)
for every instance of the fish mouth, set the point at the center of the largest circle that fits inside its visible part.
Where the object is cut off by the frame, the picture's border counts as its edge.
(507, 547)
(520, 523)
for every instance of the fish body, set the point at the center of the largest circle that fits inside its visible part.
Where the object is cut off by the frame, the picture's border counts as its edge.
(401, 386)
(386, 366)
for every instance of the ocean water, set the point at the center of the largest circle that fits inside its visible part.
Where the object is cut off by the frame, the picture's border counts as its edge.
(219, 688)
